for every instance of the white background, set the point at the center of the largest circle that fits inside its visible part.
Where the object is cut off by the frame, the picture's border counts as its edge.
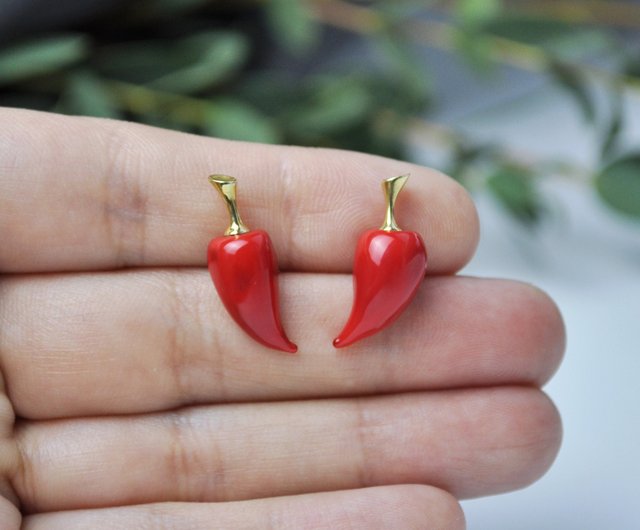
(588, 259)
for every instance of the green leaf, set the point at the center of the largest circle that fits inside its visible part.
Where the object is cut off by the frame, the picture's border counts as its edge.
(619, 185)
(138, 62)
(560, 38)
(41, 56)
(408, 68)
(236, 120)
(576, 85)
(529, 29)
(398, 11)
(334, 104)
(611, 136)
(466, 156)
(218, 56)
(476, 50)
(476, 12)
(269, 90)
(578, 44)
(514, 188)
(632, 67)
(292, 24)
(189, 65)
(85, 94)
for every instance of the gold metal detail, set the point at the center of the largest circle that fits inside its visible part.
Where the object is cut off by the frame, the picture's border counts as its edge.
(227, 187)
(392, 187)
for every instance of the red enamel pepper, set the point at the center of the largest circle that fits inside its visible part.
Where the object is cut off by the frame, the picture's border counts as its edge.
(244, 270)
(389, 266)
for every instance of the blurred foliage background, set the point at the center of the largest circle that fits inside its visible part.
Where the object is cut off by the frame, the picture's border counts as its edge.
(270, 71)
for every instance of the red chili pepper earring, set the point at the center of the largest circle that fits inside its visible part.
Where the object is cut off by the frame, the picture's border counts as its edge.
(244, 270)
(389, 266)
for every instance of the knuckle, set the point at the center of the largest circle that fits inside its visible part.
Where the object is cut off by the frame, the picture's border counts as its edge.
(179, 459)
(23, 479)
(175, 351)
(125, 205)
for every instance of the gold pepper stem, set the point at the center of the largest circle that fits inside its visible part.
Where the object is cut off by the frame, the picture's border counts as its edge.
(226, 186)
(392, 187)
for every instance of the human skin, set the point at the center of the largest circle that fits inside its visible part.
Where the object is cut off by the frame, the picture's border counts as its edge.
(130, 399)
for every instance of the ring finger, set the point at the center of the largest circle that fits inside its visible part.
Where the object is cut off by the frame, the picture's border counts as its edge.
(407, 507)
(450, 439)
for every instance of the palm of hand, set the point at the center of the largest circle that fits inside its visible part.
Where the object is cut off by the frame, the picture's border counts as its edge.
(140, 405)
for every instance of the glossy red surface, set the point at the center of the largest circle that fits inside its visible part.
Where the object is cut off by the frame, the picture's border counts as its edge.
(245, 272)
(388, 269)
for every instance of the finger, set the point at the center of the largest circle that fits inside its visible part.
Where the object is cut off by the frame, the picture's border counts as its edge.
(113, 343)
(9, 461)
(408, 507)
(10, 517)
(472, 442)
(82, 193)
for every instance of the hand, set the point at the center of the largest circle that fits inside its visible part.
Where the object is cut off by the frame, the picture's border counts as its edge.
(140, 404)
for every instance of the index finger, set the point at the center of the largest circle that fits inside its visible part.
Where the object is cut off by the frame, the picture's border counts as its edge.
(86, 194)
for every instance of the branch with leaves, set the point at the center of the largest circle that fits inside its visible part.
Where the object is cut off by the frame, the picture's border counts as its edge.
(206, 67)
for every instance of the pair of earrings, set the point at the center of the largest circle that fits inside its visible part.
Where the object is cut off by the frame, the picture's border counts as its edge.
(390, 264)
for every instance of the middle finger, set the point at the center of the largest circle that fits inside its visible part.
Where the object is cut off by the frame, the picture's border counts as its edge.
(142, 341)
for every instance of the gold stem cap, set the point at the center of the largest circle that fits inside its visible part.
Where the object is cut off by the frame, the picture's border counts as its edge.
(392, 188)
(226, 186)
